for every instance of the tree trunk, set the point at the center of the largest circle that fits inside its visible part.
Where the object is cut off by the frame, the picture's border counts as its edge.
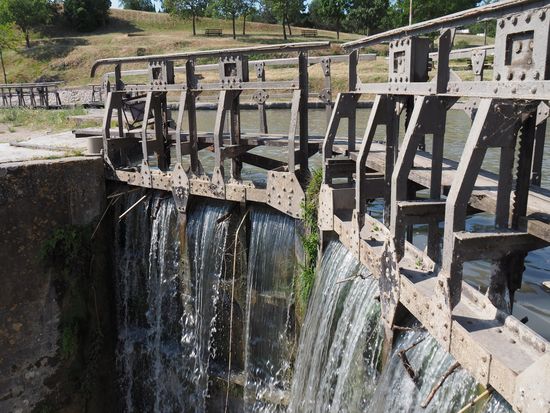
(284, 28)
(244, 24)
(3, 67)
(234, 33)
(194, 28)
(27, 40)
(338, 27)
(289, 29)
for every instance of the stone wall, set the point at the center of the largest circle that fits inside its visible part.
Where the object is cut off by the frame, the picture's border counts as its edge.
(36, 198)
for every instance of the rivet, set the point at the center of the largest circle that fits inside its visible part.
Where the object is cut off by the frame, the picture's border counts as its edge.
(533, 90)
(536, 74)
(497, 77)
(542, 14)
(501, 23)
(514, 20)
(510, 75)
(528, 18)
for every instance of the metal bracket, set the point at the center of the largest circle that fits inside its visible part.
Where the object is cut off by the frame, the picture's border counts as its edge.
(180, 188)
(325, 96)
(161, 72)
(284, 193)
(260, 97)
(325, 65)
(521, 46)
(146, 176)
(233, 69)
(389, 284)
(408, 60)
(218, 184)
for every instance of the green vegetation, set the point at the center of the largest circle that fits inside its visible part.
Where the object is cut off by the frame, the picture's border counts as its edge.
(8, 40)
(144, 5)
(66, 254)
(86, 15)
(310, 239)
(26, 14)
(39, 119)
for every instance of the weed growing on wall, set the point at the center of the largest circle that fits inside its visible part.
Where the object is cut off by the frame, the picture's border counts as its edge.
(310, 239)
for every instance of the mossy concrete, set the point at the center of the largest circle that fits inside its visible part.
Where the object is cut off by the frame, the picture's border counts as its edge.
(37, 198)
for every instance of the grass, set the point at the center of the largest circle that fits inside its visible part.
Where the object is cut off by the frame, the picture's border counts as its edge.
(40, 119)
(68, 56)
(310, 240)
(61, 54)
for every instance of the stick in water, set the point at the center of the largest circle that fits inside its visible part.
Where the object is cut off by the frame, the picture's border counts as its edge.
(404, 359)
(132, 207)
(472, 403)
(453, 367)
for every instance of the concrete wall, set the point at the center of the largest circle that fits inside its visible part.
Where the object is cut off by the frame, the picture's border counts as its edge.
(37, 197)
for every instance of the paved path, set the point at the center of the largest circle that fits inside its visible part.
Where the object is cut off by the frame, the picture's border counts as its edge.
(45, 146)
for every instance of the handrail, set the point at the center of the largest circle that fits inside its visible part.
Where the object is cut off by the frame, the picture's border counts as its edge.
(41, 84)
(268, 62)
(470, 16)
(276, 48)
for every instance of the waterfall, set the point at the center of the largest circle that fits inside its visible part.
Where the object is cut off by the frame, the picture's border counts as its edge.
(396, 391)
(149, 276)
(176, 302)
(166, 303)
(271, 267)
(207, 233)
(340, 343)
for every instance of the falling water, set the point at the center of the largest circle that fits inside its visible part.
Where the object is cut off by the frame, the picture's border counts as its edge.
(166, 309)
(149, 310)
(397, 392)
(341, 341)
(171, 307)
(207, 233)
(272, 265)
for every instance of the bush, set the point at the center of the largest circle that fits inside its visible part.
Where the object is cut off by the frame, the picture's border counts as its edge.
(87, 15)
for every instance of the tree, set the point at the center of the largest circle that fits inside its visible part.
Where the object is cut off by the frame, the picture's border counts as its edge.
(335, 11)
(366, 16)
(186, 8)
(143, 5)
(26, 14)
(427, 9)
(86, 15)
(248, 8)
(285, 11)
(9, 37)
(231, 9)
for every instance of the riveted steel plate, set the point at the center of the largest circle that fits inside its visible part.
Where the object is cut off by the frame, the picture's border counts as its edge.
(532, 387)
(325, 212)
(388, 283)
(146, 178)
(469, 354)
(235, 192)
(284, 193)
(180, 188)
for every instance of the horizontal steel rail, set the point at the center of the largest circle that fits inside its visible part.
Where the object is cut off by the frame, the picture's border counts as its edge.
(276, 48)
(462, 18)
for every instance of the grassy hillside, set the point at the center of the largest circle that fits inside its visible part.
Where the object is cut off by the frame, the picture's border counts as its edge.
(59, 54)
(68, 56)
